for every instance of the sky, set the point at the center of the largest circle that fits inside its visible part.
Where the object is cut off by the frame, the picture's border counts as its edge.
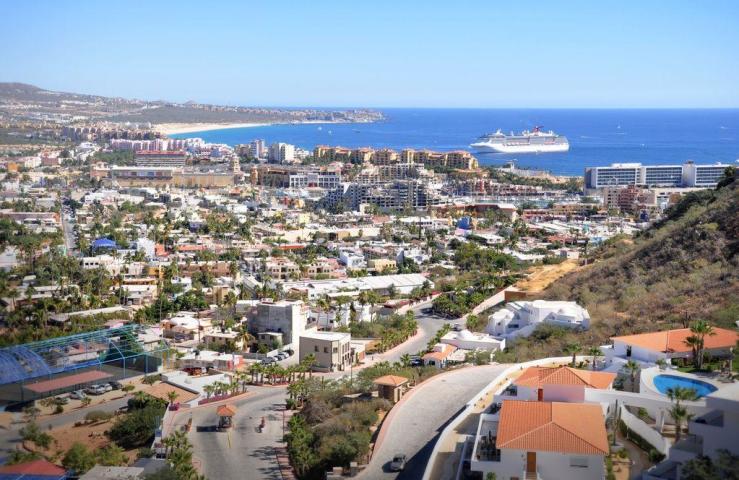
(399, 53)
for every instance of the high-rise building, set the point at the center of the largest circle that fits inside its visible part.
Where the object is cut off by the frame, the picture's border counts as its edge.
(281, 153)
(627, 174)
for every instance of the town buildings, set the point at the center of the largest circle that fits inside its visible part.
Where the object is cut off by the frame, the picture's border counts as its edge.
(331, 350)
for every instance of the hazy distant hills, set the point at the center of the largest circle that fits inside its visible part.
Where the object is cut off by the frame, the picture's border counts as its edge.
(20, 101)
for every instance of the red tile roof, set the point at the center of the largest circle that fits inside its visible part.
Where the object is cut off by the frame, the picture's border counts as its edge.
(537, 377)
(391, 380)
(68, 381)
(226, 411)
(673, 341)
(552, 427)
(34, 467)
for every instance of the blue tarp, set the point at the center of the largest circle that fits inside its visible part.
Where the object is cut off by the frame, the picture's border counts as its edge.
(104, 243)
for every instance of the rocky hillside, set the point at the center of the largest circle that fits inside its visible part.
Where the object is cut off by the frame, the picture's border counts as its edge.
(684, 268)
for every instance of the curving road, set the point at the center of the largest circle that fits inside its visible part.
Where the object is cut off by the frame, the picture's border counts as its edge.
(420, 417)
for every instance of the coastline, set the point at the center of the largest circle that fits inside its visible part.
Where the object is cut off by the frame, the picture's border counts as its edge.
(177, 128)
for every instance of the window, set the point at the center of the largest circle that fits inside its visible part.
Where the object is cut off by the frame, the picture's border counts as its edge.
(336, 350)
(578, 462)
(315, 348)
(325, 349)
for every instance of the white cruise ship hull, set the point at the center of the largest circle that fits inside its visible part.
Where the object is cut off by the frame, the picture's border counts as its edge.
(502, 148)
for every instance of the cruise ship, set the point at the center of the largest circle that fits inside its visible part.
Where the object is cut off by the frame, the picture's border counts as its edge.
(534, 141)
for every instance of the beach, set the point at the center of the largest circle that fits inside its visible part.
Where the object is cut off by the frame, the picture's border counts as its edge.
(178, 128)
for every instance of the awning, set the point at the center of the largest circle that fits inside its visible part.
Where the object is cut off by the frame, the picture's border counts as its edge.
(68, 381)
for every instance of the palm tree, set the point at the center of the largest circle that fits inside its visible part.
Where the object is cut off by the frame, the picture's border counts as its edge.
(633, 369)
(172, 396)
(209, 389)
(700, 330)
(309, 361)
(573, 349)
(595, 353)
(680, 415)
(405, 360)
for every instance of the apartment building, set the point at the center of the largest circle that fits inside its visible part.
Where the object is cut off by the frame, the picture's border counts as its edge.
(161, 158)
(459, 159)
(332, 350)
(626, 174)
(281, 153)
(288, 318)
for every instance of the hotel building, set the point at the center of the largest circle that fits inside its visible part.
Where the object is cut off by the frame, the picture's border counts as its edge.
(628, 174)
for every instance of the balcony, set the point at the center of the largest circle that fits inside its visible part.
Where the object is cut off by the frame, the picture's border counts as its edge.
(486, 450)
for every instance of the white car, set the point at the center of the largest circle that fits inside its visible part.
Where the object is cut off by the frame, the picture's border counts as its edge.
(77, 395)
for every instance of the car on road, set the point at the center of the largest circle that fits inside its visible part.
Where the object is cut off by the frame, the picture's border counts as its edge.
(427, 310)
(416, 362)
(77, 395)
(457, 327)
(398, 463)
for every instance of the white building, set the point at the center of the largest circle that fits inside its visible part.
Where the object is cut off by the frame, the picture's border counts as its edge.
(403, 284)
(352, 260)
(281, 153)
(521, 318)
(332, 350)
(467, 340)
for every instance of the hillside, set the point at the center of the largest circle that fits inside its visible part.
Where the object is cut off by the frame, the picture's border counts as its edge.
(20, 101)
(683, 269)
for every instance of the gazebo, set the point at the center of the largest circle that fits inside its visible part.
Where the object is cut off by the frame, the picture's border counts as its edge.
(225, 415)
(391, 387)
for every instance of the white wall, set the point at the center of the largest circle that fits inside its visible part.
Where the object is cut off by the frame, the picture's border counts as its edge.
(564, 393)
(550, 465)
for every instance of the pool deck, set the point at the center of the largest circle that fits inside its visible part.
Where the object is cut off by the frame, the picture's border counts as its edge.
(646, 384)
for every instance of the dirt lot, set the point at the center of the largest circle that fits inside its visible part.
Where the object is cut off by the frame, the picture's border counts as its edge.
(541, 277)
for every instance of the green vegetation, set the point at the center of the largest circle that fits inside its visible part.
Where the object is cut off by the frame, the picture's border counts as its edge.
(573, 184)
(683, 269)
(329, 432)
(136, 428)
(482, 271)
(724, 467)
(389, 332)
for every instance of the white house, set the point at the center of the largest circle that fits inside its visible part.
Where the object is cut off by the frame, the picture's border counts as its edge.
(668, 345)
(542, 440)
(555, 384)
(521, 318)
(467, 340)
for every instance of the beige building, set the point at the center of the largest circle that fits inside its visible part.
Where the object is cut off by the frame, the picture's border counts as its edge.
(332, 350)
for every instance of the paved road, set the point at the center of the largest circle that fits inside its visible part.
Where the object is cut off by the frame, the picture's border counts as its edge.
(241, 452)
(420, 418)
(68, 232)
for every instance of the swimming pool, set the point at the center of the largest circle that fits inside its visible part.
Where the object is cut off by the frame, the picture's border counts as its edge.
(663, 382)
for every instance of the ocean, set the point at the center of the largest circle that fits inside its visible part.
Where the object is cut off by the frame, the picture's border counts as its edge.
(597, 137)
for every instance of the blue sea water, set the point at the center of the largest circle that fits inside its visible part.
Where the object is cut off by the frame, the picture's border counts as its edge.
(597, 137)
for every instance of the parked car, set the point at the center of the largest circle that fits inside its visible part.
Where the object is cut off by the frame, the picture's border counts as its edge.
(268, 360)
(62, 399)
(115, 385)
(97, 389)
(416, 362)
(77, 395)
(398, 463)
(281, 356)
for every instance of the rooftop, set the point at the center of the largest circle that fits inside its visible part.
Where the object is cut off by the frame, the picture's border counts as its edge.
(552, 427)
(540, 376)
(673, 341)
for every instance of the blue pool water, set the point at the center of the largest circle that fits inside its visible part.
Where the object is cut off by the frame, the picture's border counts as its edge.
(663, 382)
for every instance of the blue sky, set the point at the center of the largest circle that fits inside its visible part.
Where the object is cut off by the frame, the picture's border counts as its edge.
(380, 53)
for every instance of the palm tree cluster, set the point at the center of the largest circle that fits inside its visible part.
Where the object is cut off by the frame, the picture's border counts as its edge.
(179, 456)
(696, 341)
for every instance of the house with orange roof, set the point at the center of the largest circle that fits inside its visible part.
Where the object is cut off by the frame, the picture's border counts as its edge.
(556, 384)
(541, 440)
(439, 356)
(669, 345)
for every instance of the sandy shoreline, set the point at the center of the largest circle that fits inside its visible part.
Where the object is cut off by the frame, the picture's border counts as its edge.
(175, 128)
